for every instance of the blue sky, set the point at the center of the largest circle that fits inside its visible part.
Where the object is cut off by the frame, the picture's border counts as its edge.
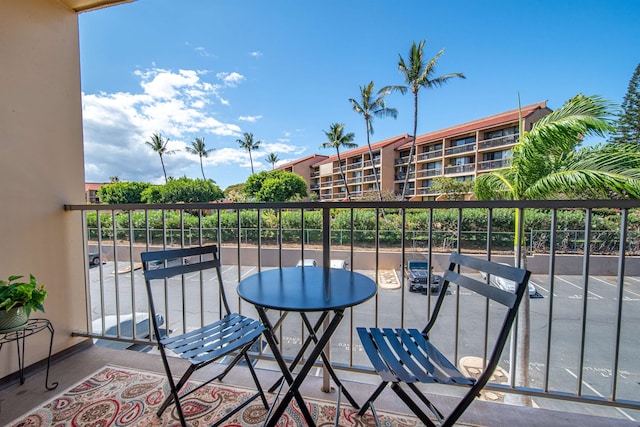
(284, 71)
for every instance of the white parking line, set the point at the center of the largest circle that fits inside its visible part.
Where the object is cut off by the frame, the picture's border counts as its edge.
(599, 394)
(614, 285)
(579, 287)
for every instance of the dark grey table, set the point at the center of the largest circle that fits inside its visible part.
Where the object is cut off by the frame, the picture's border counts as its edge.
(304, 290)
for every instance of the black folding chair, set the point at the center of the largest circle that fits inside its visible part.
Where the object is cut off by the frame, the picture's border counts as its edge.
(232, 335)
(407, 356)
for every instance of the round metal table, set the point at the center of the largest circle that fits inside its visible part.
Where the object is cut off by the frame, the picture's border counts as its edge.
(303, 290)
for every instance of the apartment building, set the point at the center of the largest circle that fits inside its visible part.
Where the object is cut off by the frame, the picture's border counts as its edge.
(460, 152)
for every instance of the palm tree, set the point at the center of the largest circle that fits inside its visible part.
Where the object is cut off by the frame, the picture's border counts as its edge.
(273, 159)
(371, 107)
(338, 139)
(198, 147)
(249, 144)
(548, 163)
(159, 144)
(417, 73)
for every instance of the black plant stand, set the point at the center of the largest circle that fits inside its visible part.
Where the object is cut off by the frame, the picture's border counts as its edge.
(32, 327)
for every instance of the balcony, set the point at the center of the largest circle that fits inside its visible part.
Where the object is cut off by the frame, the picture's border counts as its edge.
(493, 164)
(429, 155)
(460, 149)
(459, 169)
(586, 276)
(497, 142)
(401, 161)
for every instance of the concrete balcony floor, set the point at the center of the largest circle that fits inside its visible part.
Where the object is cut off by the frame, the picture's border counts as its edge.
(16, 399)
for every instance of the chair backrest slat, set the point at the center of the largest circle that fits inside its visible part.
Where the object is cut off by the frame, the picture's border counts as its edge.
(496, 294)
(167, 272)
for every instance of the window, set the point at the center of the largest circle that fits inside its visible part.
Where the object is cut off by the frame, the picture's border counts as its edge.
(463, 141)
(513, 130)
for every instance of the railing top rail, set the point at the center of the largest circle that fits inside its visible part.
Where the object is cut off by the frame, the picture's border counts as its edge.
(427, 204)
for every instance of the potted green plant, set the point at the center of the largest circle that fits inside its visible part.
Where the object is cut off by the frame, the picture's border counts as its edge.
(17, 300)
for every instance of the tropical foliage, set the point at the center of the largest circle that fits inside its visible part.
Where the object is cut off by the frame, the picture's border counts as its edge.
(29, 295)
(273, 159)
(275, 186)
(418, 73)
(249, 144)
(369, 107)
(338, 139)
(158, 143)
(184, 190)
(122, 192)
(549, 163)
(199, 148)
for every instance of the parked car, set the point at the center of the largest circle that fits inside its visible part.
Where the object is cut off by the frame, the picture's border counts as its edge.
(339, 263)
(417, 273)
(510, 285)
(307, 262)
(94, 258)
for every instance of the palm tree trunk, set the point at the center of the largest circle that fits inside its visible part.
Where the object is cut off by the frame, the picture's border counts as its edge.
(344, 179)
(202, 169)
(251, 160)
(375, 171)
(163, 170)
(413, 145)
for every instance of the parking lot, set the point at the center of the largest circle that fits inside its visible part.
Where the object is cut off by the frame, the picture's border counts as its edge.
(394, 303)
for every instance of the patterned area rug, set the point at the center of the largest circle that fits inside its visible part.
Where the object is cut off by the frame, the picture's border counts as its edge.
(117, 396)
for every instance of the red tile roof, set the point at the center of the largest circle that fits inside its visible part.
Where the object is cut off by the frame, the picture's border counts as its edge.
(495, 120)
(400, 139)
(297, 161)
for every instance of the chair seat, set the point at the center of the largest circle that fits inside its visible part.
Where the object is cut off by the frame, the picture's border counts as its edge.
(217, 339)
(405, 355)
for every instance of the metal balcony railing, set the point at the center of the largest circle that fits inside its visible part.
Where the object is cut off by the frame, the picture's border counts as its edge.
(429, 155)
(460, 149)
(497, 142)
(493, 164)
(584, 256)
(460, 168)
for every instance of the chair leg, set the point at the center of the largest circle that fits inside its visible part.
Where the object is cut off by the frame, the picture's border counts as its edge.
(174, 395)
(373, 397)
(256, 381)
(426, 401)
(412, 405)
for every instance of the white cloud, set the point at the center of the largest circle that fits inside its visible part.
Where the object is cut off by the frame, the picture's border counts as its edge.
(230, 79)
(256, 54)
(176, 104)
(251, 119)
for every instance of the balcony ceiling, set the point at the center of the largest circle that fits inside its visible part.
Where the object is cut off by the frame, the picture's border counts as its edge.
(86, 5)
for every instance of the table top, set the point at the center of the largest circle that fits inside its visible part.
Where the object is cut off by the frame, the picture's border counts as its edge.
(306, 288)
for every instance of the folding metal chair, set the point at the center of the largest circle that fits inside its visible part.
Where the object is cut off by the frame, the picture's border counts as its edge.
(406, 356)
(232, 335)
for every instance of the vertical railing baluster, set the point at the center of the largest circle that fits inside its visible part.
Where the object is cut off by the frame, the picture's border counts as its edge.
(114, 228)
(132, 278)
(585, 294)
(622, 256)
(552, 267)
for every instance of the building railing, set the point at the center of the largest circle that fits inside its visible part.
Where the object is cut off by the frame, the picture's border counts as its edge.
(460, 168)
(585, 262)
(429, 155)
(460, 149)
(497, 142)
(493, 164)
(401, 160)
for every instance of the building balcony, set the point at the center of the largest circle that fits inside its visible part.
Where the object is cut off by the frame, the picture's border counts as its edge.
(493, 164)
(401, 161)
(449, 170)
(585, 275)
(460, 149)
(497, 142)
(429, 155)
